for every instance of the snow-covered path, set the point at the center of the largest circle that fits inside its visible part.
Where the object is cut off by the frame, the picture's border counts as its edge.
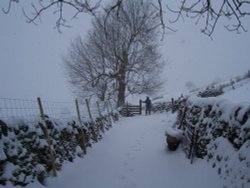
(133, 154)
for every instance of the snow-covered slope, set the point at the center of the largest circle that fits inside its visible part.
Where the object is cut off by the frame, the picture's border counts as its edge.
(133, 153)
(223, 123)
(235, 93)
(239, 93)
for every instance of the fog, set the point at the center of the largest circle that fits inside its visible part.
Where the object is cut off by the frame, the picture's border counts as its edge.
(31, 64)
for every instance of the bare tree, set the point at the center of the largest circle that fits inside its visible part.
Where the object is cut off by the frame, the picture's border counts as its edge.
(87, 70)
(120, 55)
(209, 12)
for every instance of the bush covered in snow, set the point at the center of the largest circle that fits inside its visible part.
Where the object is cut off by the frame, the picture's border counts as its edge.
(173, 106)
(211, 92)
(217, 89)
(223, 135)
(24, 148)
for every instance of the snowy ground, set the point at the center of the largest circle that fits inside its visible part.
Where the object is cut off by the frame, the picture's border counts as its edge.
(238, 95)
(133, 154)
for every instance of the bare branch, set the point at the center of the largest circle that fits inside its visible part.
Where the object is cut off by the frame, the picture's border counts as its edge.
(37, 12)
(204, 10)
(117, 6)
(9, 6)
(78, 6)
(8, 9)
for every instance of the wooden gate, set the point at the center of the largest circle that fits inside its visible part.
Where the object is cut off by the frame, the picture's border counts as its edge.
(190, 135)
(131, 110)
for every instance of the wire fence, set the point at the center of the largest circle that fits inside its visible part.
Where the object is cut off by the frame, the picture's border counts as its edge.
(16, 111)
(45, 129)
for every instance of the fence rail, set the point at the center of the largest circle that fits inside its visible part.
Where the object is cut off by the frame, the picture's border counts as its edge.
(131, 110)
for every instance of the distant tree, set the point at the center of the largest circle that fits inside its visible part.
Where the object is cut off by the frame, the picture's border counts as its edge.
(119, 56)
(247, 75)
(206, 11)
(190, 85)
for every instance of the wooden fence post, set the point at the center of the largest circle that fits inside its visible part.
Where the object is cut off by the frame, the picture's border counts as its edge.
(88, 107)
(140, 106)
(98, 108)
(47, 136)
(81, 124)
(182, 117)
(193, 146)
(172, 103)
(109, 114)
(127, 110)
(92, 121)
(100, 115)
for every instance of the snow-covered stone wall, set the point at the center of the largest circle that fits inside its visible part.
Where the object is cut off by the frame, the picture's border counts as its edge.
(224, 136)
(25, 151)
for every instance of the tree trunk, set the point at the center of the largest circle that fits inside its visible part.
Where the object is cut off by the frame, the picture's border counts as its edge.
(122, 80)
(121, 93)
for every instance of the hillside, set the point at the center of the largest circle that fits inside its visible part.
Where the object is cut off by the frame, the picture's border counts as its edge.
(133, 153)
(239, 94)
(218, 117)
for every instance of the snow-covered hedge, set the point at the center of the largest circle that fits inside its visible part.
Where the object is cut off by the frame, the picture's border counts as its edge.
(162, 105)
(224, 135)
(24, 151)
(211, 92)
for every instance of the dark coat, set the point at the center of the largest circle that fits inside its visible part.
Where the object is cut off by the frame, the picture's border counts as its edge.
(148, 103)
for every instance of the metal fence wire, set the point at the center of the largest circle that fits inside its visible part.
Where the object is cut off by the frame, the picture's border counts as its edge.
(16, 111)
(13, 111)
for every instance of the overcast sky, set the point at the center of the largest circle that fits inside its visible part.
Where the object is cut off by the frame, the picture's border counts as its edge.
(194, 56)
(31, 66)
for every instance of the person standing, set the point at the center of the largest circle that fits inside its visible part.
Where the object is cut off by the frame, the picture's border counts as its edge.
(148, 106)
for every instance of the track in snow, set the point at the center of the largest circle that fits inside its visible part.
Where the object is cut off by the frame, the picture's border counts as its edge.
(133, 154)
